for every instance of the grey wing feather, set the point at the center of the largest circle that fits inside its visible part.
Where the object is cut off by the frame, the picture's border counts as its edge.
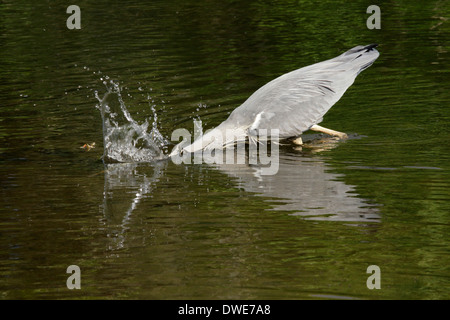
(297, 100)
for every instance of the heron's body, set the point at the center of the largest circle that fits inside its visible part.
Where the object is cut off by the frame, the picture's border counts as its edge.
(292, 103)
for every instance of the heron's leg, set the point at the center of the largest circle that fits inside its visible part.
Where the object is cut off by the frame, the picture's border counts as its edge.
(318, 128)
(298, 141)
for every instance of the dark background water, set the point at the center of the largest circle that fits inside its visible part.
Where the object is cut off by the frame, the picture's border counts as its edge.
(166, 231)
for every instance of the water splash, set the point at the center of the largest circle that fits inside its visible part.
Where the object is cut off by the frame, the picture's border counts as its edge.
(124, 139)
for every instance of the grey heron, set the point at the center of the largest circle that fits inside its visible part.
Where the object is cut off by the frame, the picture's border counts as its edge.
(292, 103)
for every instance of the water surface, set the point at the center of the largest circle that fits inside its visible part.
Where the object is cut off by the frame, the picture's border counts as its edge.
(165, 231)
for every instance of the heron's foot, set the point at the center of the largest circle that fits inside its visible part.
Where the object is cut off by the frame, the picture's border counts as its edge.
(298, 141)
(341, 135)
(334, 133)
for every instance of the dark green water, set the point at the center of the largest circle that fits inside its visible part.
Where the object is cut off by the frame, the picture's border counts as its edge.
(166, 231)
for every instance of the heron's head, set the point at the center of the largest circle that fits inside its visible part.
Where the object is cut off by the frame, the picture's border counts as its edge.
(217, 138)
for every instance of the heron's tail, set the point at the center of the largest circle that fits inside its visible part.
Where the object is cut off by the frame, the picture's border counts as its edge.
(360, 58)
(371, 46)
